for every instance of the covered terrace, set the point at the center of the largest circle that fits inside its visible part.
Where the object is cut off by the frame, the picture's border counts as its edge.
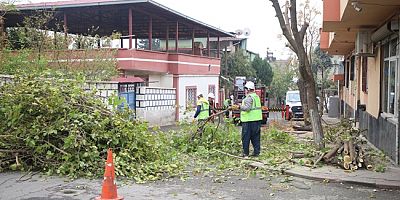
(148, 30)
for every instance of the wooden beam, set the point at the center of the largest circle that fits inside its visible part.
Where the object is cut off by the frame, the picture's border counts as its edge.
(135, 41)
(167, 38)
(177, 37)
(163, 18)
(151, 33)
(208, 44)
(193, 41)
(130, 31)
(218, 47)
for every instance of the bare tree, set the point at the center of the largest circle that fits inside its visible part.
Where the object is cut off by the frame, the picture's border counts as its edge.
(295, 38)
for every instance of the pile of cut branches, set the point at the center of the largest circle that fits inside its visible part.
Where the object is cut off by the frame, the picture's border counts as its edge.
(52, 125)
(350, 150)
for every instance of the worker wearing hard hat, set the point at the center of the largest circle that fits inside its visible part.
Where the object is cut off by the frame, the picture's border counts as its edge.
(251, 117)
(227, 103)
(211, 102)
(202, 109)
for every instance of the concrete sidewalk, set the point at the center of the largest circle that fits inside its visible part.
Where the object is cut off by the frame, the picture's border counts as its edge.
(390, 179)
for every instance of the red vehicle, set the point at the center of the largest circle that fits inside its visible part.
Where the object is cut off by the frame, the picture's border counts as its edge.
(239, 95)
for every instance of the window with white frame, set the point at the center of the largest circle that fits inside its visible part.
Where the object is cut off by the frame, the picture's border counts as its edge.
(211, 89)
(390, 68)
(191, 96)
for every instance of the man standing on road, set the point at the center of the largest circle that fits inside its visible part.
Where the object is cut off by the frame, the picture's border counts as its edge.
(251, 116)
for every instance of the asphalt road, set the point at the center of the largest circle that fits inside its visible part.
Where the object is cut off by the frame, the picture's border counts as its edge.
(227, 186)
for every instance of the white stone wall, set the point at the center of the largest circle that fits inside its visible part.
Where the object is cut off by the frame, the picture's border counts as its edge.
(157, 80)
(201, 82)
(156, 105)
(104, 89)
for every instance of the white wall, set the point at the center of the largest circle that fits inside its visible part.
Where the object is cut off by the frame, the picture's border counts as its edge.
(156, 105)
(157, 80)
(201, 82)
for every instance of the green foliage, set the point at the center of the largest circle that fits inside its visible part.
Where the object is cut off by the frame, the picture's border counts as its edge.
(226, 138)
(342, 131)
(34, 33)
(26, 62)
(19, 63)
(56, 127)
(40, 49)
(236, 64)
(208, 152)
(282, 80)
(278, 146)
(263, 70)
(6, 6)
(322, 64)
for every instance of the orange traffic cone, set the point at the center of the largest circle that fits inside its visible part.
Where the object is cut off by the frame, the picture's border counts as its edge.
(109, 191)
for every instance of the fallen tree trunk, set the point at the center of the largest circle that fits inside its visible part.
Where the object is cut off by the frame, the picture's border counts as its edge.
(332, 153)
(302, 128)
(319, 159)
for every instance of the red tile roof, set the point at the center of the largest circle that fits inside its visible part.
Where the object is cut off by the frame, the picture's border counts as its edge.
(128, 79)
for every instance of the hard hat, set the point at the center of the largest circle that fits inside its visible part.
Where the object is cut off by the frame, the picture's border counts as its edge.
(249, 85)
(211, 95)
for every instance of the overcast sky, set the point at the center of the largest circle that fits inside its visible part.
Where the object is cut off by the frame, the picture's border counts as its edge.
(230, 15)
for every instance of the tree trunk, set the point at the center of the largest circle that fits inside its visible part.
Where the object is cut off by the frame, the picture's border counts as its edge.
(312, 103)
(303, 98)
(295, 38)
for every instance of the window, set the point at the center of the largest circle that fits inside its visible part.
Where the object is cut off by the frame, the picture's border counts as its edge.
(390, 78)
(211, 89)
(293, 97)
(364, 74)
(191, 96)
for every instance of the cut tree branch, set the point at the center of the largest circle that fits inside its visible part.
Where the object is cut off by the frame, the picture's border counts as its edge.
(293, 18)
(282, 23)
(303, 30)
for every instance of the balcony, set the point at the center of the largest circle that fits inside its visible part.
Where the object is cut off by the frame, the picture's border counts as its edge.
(173, 42)
(342, 19)
(163, 62)
(140, 61)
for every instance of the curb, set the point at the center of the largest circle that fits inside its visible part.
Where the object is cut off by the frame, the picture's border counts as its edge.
(315, 177)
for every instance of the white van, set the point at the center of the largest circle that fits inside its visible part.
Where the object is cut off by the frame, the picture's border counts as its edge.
(294, 102)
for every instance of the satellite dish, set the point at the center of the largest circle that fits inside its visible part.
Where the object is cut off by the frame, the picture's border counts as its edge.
(239, 32)
(246, 32)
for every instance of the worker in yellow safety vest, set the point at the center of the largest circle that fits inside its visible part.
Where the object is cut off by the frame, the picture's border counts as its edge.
(251, 117)
(202, 108)
(202, 113)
